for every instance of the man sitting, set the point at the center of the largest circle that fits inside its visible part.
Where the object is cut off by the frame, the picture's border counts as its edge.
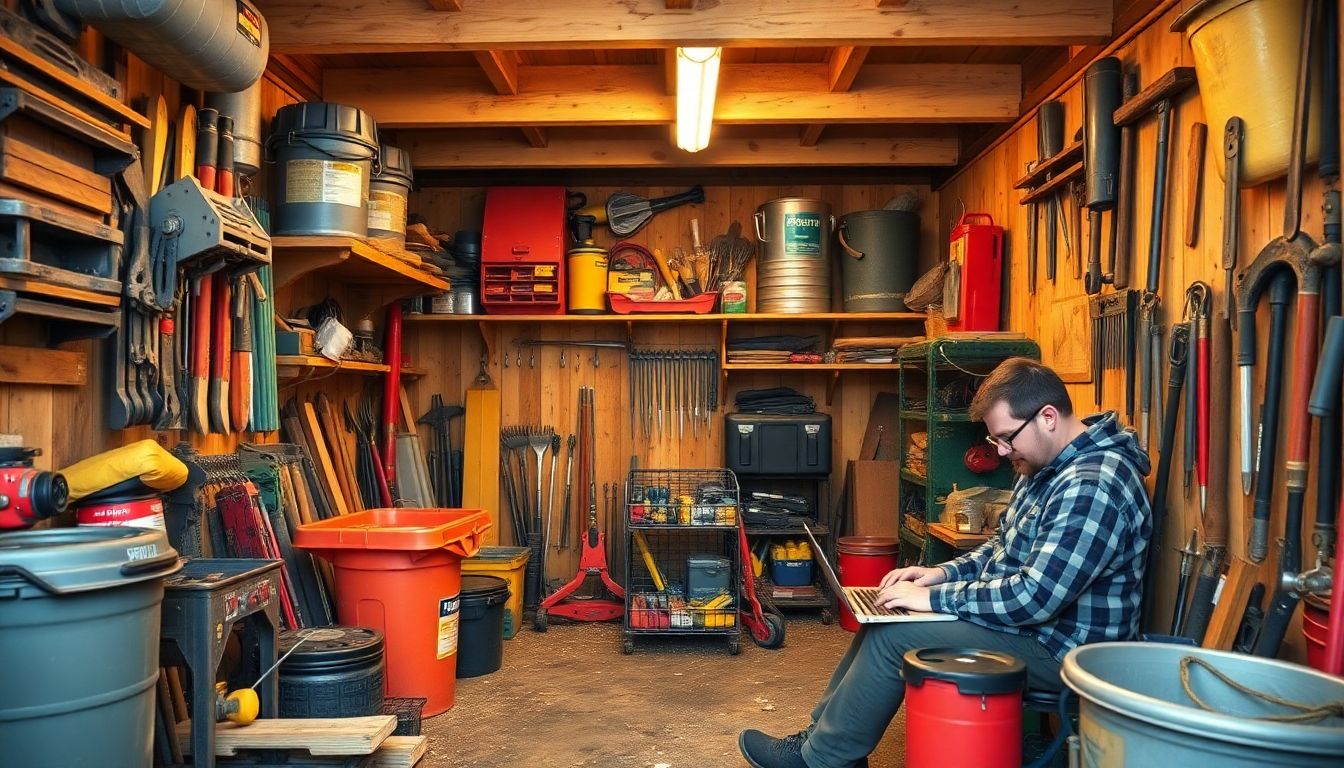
(1066, 569)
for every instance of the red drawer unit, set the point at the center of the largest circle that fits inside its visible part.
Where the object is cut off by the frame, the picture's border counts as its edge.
(523, 251)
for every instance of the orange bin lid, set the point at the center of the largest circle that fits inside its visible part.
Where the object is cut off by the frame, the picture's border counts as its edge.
(399, 528)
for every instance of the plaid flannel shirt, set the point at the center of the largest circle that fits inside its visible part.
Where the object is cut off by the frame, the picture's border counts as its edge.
(1067, 566)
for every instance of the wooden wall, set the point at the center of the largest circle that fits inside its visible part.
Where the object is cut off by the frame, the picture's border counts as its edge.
(1050, 314)
(66, 422)
(547, 394)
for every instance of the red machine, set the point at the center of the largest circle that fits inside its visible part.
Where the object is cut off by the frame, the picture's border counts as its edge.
(592, 562)
(523, 251)
(971, 293)
(26, 494)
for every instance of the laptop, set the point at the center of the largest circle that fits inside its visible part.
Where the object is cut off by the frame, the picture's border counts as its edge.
(862, 601)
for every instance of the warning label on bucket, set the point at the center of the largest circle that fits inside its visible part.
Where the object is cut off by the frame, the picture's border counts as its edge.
(802, 234)
(387, 211)
(324, 181)
(448, 617)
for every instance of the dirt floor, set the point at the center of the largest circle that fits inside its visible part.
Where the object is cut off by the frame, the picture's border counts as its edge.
(570, 697)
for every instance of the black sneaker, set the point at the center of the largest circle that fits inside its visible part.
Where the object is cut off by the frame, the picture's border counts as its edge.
(764, 751)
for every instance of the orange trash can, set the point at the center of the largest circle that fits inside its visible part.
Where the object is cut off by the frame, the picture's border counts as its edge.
(399, 571)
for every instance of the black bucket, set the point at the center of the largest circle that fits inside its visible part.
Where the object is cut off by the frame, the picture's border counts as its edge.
(480, 636)
(880, 261)
(336, 672)
(324, 155)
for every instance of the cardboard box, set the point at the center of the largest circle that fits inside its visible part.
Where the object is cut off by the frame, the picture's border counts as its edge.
(873, 500)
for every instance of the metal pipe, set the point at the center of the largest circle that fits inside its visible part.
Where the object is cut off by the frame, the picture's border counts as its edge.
(1280, 291)
(1180, 347)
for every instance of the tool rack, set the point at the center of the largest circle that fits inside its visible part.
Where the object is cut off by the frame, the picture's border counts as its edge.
(673, 515)
(926, 369)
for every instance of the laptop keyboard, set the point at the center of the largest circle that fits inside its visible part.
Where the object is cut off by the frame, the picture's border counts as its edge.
(866, 600)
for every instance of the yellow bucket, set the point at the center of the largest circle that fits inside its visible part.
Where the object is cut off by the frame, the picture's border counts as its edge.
(587, 280)
(507, 563)
(1246, 58)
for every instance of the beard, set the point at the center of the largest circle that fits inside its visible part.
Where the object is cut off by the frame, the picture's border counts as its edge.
(1023, 467)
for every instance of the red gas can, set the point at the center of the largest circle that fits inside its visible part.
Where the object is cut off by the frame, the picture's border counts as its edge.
(974, 274)
(963, 708)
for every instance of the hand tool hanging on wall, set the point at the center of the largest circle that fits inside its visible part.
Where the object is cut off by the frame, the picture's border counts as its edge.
(563, 542)
(671, 387)
(1188, 554)
(207, 146)
(1198, 298)
(1233, 134)
(1218, 512)
(1194, 180)
(628, 213)
(1325, 402)
(1251, 621)
(1049, 141)
(1122, 224)
(440, 417)
(1178, 358)
(1296, 251)
(1102, 94)
(1267, 436)
(1113, 330)
(1032, 215)
(1149, 342)
(1287, 255)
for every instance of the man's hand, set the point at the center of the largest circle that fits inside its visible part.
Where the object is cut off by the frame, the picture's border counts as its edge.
(921, 576)
(905, 594)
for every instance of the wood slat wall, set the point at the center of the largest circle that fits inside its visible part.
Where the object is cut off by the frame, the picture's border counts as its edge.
(986, 185)
(547, 394)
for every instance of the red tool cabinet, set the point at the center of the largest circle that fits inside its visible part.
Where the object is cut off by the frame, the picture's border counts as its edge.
(971, 293)
(523, 251)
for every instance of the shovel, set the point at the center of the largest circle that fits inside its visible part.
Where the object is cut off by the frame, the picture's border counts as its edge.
(627, 213)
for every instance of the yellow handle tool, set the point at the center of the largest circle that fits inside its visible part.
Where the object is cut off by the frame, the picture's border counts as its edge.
(648, 561)
(243, 706)
(666, 273)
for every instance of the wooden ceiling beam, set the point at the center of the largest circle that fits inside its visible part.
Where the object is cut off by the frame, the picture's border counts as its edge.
(445, 97)
(358, 26)
(680, 5)
(536, 137)
(845, 63)
(439, 150)
(501, 67)
(445, 5)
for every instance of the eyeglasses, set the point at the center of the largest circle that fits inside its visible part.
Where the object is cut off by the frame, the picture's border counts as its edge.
(1006, 443)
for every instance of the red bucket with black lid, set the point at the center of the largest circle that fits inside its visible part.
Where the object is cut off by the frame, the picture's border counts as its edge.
(963, 708)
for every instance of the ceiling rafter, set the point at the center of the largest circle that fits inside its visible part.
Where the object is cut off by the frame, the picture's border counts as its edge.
(357, 26)
(844, 63)
(501, 69)
(445, 5)
(636, 95)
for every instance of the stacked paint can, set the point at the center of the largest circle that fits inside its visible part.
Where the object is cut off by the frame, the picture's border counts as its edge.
(324, 155)
(388, 190)
(331, 672)
(793, 269)
(464, 273)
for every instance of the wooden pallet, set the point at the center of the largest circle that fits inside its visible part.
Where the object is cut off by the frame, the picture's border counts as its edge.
(325, 736)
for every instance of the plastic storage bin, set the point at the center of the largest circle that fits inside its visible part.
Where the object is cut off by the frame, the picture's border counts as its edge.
(507, 563)
(400, 571)
(707, 576)
(481, 646)
(791, 573)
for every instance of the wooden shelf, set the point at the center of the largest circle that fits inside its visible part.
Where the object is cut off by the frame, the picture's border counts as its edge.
(1060, 160)
(379, 278)
(734, 319)
(914, 478)
(315, 366)
(910, 537)
(795, 367)
(957, 539)
(949, 417)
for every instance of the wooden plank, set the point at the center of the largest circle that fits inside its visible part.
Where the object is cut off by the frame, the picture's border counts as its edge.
(445, 5)
(1226, 619)
(536, 137)
(55, 367)
(845, 63)
(811, 134)
(317, 736)
(354, 26)
(10, 78)
(619, 94)
(955, 538)
(1069, 348)
(326, 468)
(51, 290)
(1051, 186)
(1194, 178)
(1057, 162)
(13, 48)
(400, 752)
(46, 174)
(501, 67)
(1165, 87)
(433, 150)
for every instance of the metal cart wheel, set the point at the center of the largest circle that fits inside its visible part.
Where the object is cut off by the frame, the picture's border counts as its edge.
(827, 617)
(775, 636)
(539, 622)
(628, 646)
(734, 646)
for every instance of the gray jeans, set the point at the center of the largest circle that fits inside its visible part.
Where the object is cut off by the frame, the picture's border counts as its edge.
(866, 688)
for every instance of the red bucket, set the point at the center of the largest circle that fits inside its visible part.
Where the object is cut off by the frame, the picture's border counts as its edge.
(863, 561)
(963, 708)
(1315, 627)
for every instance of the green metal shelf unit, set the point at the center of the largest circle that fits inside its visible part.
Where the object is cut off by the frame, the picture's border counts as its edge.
(929, 371)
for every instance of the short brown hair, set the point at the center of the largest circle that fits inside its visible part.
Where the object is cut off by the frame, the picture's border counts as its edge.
(1025, 385)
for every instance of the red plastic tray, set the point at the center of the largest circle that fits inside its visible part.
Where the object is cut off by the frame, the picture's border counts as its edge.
(696, 305)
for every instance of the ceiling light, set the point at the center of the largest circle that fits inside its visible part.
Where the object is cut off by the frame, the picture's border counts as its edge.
(697, 83)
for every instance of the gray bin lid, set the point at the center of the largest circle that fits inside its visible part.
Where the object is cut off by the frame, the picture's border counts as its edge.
(65, 560)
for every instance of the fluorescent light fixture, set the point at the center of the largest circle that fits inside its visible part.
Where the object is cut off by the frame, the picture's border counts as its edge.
(697, 83)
